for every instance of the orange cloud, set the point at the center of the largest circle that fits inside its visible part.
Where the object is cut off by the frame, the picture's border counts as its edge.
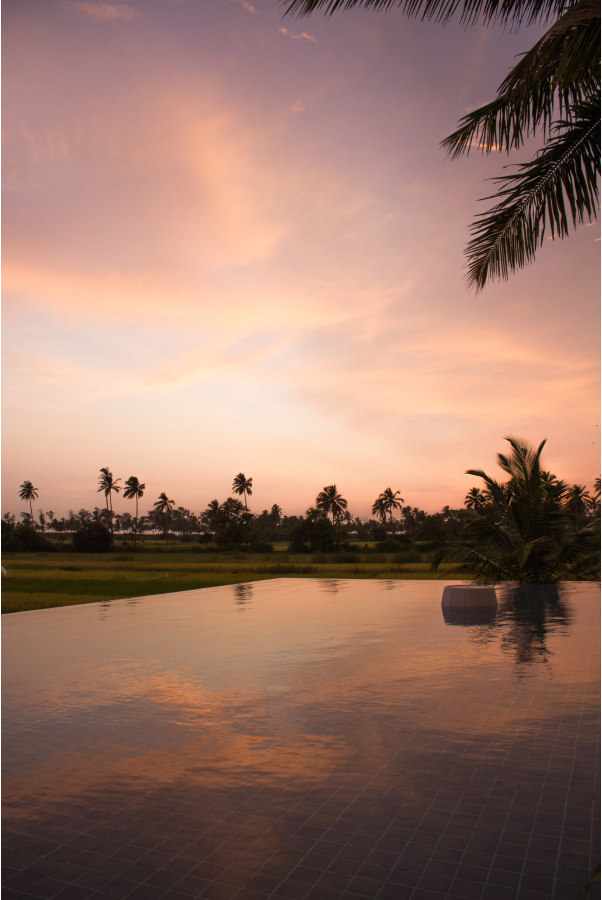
(103, 12)
(304, 35)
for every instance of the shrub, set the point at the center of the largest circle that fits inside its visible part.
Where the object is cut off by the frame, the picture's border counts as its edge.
(411, 555)
(24, 539)
(347, 556)
(93, 537)
(259, 546)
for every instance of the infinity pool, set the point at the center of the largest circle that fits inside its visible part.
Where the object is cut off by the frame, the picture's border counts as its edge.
(305, 740)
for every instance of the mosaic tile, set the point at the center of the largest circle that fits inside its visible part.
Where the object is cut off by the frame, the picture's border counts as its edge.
(316, 750)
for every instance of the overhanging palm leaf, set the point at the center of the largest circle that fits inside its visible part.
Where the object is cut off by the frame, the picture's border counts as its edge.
(554, 88)
(514, 12)
(561, 69)
(563, 174)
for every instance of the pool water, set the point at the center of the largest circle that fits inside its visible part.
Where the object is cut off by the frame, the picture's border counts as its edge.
(303, 739)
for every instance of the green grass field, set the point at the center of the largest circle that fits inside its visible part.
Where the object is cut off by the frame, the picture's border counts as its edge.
(38, 581)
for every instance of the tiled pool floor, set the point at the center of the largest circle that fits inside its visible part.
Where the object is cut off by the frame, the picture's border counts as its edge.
(304, 740)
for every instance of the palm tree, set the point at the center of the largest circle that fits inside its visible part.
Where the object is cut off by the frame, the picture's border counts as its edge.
(330, 501)
(475, 499)
(553, 90)
(108, 485)
(578, 502)
(528, 535)
(242, 485)
(133, 489)
(379, 508)
(28, 492)
(210, 512)
(391, 501)
(595, 501)
(163, 507)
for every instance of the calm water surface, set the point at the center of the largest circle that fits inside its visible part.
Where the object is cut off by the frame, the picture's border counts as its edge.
(303, 739)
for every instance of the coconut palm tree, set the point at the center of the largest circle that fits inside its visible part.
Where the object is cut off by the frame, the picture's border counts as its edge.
(391, 501)
(210, 512)
(133, 489)
(242, 485)
(595, 500)
(330, 501)
(108, 485)
(28, 492)
(379, 508)
(527, 534)
(554, 90)
(475, 499)
(578, 501)
(163, 508)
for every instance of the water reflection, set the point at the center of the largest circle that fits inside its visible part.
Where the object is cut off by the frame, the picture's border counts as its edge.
(468, 617)
(526, 616)
(331, 586)
(530, 613)
(242, 594)
(312, 716)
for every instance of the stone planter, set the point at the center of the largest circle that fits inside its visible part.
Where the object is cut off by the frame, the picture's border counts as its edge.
(469, 596)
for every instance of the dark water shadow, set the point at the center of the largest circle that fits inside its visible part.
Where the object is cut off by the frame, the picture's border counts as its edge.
(468, 617)
(331, 585)
(526, 616)
(243, 593)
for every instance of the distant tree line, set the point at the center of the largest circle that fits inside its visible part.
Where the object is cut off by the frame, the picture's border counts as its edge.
(329, 525)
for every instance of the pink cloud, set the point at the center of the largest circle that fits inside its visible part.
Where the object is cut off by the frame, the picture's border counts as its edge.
(104, 12)
(304, 34)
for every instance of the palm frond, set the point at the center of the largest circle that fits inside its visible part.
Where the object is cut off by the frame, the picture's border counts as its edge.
(564, 172)
(510, 12)
(561, 70)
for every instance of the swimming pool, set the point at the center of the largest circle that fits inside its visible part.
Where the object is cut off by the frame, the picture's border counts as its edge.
(302, 738)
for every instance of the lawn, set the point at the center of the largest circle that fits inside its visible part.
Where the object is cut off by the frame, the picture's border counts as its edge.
(41, 580)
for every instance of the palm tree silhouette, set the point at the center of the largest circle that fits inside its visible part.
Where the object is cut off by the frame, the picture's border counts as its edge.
(379, 508)
(391, 501)
(134, 489)
(108, 485)
(578, 502)
(210, 512)
(330, 501)
(28, 492)
(242, 485)
(475, 499)
(531, 535)
(163, 506)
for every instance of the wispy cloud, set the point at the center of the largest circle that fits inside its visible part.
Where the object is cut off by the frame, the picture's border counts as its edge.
(105, 12)
(297, 106)
(249, 8)
(304, 34)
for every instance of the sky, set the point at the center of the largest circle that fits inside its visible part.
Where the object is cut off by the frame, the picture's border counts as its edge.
(232, 243)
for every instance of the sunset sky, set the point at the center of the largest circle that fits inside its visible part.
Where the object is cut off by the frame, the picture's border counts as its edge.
(232, 242)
